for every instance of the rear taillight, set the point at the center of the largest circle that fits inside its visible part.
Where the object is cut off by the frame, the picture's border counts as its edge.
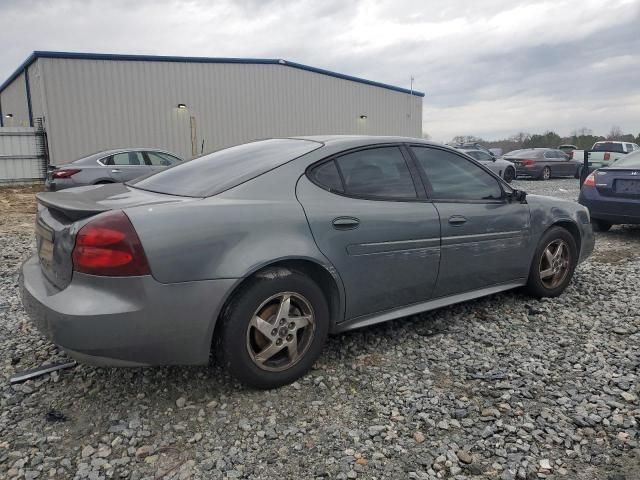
(528, 162)
(570, 155)
(65, 172)
(109, 245)
(590, 181)
(607, 156)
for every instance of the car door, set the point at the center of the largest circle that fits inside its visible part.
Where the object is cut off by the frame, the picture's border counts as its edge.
(125, 166)
(489, 162)
(485, 236)
(160, 160)
(566, 166)
(369, 216)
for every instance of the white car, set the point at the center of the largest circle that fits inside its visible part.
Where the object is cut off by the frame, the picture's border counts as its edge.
(605, 152)
(501, 167)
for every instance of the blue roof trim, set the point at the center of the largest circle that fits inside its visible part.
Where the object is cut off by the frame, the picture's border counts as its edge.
(164, 58)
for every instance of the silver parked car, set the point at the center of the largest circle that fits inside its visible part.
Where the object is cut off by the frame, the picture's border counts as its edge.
(501, 167)
(109, 166)
(257, 252)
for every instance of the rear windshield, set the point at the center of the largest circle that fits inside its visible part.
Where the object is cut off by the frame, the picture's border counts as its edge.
(629, 161)
(526, 154)
(608, 147)
(214, 173)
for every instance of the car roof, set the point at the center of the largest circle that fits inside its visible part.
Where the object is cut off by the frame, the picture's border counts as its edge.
(357, 140)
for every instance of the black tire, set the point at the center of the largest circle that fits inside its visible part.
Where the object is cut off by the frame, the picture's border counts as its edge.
(600, 225)
(578, 172)
(232, 343)
(509, 175)
(535, 285)
(545, 174)
(103, 182)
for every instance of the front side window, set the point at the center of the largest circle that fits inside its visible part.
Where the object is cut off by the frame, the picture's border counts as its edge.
(376, 172)
(453, 177)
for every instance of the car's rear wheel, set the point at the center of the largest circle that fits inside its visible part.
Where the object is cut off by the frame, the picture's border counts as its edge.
(600, 225)
(273, 329)
(553, 264)
(546, 173)
(509, 175)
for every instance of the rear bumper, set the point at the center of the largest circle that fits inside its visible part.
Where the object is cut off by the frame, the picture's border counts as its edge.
(610, 209)
(130, 321)
(59, 184)
(533, 171)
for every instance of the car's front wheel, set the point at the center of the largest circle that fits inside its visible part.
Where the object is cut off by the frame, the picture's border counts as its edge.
(553, 263)
(509, 175)
(273, 329)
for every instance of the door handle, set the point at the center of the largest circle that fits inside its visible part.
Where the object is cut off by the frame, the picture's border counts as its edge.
(457, 220)
(116, 170)
(345, 223)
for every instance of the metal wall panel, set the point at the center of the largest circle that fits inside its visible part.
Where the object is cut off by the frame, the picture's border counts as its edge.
(14, 101)
(19, 154)
(98, 104)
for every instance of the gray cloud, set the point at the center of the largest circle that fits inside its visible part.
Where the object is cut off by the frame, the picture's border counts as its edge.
(489, 68)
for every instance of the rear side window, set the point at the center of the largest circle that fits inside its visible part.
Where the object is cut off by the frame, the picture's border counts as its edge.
(219, 171)
(378, 173)
(327, 176)
(453, 177)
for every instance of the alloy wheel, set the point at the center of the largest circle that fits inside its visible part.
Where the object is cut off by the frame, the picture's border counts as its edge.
(280, 331)
(554, 264)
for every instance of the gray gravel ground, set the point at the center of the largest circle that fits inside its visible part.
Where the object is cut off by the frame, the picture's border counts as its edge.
(500, 388)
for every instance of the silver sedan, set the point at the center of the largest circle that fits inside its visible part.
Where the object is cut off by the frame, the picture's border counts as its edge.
(257, 252)
(109, 166)
(501, 167)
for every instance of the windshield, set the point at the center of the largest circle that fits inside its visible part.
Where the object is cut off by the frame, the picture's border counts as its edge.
(630, 161)
(608, 147)
(219, 171)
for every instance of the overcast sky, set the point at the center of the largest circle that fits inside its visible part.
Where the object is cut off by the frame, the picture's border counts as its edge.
(490, 68)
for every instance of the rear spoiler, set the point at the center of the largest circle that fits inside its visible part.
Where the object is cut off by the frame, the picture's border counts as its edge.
(70, 205)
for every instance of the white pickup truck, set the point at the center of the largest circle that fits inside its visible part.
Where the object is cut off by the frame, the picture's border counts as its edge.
(604, 153)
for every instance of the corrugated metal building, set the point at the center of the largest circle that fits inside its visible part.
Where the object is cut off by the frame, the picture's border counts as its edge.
(193, 105)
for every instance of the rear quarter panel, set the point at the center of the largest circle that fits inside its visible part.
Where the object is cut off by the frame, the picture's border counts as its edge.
(229, 235)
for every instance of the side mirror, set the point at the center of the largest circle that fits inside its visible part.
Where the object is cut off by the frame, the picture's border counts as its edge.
(518, 196)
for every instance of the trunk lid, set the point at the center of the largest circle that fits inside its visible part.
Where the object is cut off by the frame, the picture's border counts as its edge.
(622, 183)
(61, 214)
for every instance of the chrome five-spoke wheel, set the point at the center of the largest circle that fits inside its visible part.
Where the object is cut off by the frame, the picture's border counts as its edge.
(280, 331)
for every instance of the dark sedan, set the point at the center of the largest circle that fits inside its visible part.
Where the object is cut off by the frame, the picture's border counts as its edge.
(612, 194)
(543, 163)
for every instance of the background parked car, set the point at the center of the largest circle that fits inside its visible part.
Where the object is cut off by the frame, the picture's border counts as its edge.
(172, 267)
(612, 194)
(473, 146)
(543, 163)
(567, 148)
(109, 166)
(501, 167)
